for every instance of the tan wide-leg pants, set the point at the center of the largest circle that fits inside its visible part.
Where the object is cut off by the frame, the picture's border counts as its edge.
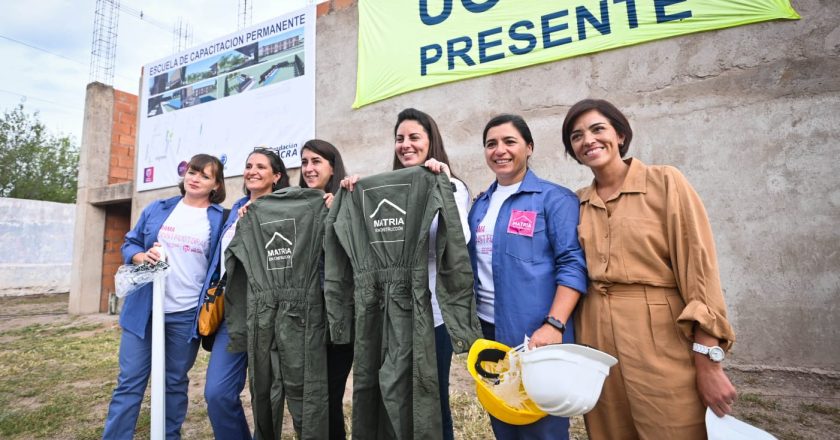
(651, 393)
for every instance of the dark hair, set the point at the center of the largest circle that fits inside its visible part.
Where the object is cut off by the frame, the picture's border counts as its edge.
(277, 166)
(198, 163)
(517, 122)
(331, 154)
(436, 150)
(614, 115)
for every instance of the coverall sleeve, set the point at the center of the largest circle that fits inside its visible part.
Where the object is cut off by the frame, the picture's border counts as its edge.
(694, 261)
(562, 214)
(454, 285)
(236, 291)
(338, 275)
(135, 238)
(462, 200)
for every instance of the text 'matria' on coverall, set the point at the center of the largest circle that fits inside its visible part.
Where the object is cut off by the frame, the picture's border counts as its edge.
(376, 247)
(275, 310)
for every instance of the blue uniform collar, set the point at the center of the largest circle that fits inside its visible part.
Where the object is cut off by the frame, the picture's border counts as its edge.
(172, 201)
(530, 183)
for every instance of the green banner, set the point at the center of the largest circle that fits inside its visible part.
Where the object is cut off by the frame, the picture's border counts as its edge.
(407, 45)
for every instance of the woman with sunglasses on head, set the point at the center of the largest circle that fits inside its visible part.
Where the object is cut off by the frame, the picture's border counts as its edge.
(528, 266)
(226, 373)
(417, 141)
(321, 167)
(654, 287)
(187, 227)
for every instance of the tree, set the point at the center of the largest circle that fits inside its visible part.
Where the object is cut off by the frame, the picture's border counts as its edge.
(35, 164)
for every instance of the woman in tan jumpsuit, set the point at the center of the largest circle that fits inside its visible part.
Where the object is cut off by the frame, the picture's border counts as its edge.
(654, 287)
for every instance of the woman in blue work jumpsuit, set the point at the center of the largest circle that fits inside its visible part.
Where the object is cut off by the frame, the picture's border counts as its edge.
(264, 173)
(187, 227)
(528, 265)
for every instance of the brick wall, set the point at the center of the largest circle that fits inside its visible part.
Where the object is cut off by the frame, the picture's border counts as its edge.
(120, 169)
(123, 135)
(117, 223)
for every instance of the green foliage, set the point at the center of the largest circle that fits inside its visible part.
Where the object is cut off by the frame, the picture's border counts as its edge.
(35, 164)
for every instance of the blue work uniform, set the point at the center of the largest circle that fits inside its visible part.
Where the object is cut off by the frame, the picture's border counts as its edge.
(136, 322)
(226, 371)
(527, 271)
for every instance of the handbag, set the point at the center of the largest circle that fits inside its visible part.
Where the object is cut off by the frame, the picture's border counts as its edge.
(213, 309)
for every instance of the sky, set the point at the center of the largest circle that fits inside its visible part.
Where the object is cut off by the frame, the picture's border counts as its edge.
(45, 46)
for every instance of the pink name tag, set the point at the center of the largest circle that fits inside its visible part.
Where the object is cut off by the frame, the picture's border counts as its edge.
(522, 223)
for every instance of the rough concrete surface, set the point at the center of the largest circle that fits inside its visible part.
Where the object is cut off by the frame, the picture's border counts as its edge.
(749, 114)
(37, 242)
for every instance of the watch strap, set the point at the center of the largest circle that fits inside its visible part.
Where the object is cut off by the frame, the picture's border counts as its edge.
(700, 348)
(556, 323)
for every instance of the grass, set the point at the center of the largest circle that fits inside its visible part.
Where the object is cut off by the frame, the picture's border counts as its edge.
(59, 372)
(53, 374)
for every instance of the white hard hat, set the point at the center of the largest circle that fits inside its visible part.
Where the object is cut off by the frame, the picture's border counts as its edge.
(565, 379)
(730, 428)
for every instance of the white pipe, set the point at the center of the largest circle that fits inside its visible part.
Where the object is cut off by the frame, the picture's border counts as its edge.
(158, 398)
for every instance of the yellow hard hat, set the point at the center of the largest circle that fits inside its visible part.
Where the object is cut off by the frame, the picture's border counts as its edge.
(485, 355)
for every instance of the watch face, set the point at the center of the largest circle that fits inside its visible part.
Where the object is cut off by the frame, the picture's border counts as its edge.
(716, 354)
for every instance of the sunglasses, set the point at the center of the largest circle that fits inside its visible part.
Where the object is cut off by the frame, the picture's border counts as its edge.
(265, 150)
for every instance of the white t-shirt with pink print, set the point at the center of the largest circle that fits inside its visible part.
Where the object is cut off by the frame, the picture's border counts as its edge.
(185, 237)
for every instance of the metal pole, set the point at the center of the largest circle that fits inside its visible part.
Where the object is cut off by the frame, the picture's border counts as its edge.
(158, 398)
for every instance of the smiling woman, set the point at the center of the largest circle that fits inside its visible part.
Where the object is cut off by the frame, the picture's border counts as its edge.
(264, 173)
(187, 227)
(650, 253)
(321, 167)
(528, 266)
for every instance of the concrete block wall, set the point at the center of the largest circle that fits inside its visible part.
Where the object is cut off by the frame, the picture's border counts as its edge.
(103, 201)
(37, 242)
(749, 114)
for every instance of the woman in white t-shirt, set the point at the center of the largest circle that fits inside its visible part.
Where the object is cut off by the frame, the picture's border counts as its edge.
(187, 227)
(264, 173)
(528, 265)
(417, 141)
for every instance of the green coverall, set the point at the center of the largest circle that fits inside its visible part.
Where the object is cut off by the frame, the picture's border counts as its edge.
(376, 269)
(275, 310)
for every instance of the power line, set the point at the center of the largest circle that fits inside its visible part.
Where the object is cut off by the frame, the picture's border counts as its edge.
(42, 50)
(49, 52)
(28, 97)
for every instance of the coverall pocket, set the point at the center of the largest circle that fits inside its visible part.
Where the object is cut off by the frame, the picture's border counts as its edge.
(399, 326)
(370, 298)
(643, 244)
(266, 313)
(292, 346)
(668, 339)
(525, 248)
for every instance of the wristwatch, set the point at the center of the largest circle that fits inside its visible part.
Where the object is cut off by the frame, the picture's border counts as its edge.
(554, 322)
(715, 353)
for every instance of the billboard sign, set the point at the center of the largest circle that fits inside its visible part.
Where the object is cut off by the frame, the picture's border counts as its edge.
(252, 88)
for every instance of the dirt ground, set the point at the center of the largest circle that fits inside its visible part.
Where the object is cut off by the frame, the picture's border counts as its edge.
(791, 404)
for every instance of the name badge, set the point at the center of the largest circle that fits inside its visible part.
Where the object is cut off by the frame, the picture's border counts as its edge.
(522, 223)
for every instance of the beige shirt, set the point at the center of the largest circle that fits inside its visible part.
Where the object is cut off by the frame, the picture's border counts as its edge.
(655, 231)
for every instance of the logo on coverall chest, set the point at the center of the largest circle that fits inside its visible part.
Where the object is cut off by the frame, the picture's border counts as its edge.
(385, 213)
(280, 245)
